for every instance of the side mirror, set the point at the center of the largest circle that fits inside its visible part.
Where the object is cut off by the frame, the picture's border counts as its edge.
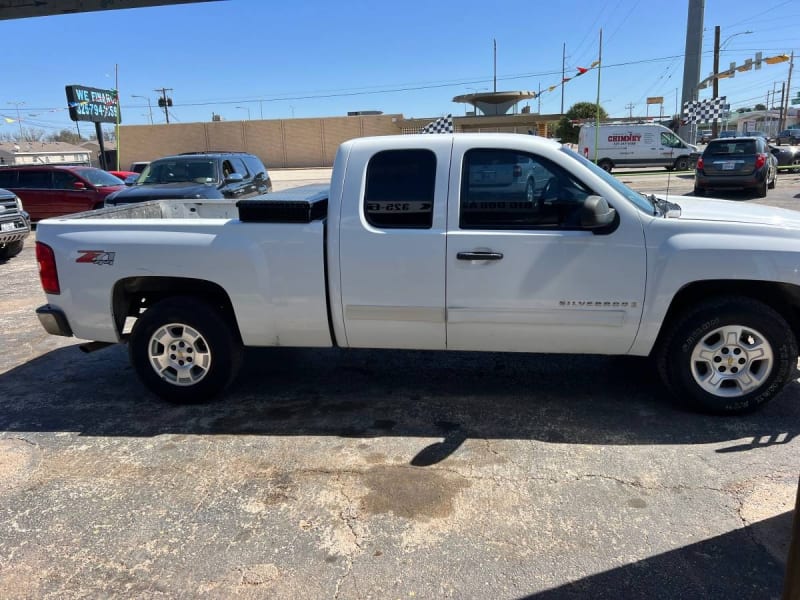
(79, 185)
(234, 178)
(596, 213)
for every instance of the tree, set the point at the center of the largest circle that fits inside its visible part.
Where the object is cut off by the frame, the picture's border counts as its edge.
(760, 107)
(65, 135)
(569, 125)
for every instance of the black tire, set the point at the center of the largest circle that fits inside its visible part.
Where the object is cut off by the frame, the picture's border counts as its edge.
(606, 165)
(11, 249)
(178, 319)
(682, 163)
(771, 185)
(761, 190)
(795, 166)
(756, 324)
(698, 191)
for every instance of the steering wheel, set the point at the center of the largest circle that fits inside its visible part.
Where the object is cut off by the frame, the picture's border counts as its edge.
(551, 189)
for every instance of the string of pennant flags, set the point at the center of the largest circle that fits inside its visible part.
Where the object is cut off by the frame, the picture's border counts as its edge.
(581, 71)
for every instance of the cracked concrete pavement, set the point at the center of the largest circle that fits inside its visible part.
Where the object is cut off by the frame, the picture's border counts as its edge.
(379, 474)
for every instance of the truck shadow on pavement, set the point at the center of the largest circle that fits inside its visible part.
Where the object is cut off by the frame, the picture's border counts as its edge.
(370, 393)
(724, 566)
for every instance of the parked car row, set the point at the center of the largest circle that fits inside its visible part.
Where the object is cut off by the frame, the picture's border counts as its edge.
(55, 190)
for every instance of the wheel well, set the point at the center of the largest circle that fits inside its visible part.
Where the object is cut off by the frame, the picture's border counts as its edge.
(782, 297)
(132, 296)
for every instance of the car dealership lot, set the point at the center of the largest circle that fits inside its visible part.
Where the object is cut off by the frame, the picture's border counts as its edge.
(358, 474)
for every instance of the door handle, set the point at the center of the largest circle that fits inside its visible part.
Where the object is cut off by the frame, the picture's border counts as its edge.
(479, 255)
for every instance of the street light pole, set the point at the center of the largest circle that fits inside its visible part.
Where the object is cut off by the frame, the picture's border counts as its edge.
(19, 121)
(149, 107)
(245, 108)
(715, 84)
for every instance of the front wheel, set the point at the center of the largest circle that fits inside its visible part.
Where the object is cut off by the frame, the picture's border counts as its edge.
(184, 350)
(727, 356)
(10, 250)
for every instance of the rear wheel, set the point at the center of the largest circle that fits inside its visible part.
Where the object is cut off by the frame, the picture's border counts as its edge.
(698, 191)
(761, 190)
(184, 350)
(606, 165)
(10, 249)
(795, 165)
(727, 356)
(773, 183)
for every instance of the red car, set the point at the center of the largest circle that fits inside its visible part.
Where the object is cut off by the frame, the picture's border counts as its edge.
(50, 191)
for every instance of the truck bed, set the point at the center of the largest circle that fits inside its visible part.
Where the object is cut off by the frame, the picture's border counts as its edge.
(302, 204)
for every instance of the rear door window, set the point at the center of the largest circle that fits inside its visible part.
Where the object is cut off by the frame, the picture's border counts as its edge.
(400, 189)
(35, 180)
(8, 178)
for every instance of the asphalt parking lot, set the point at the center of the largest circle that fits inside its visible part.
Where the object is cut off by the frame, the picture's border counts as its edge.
(382, 474)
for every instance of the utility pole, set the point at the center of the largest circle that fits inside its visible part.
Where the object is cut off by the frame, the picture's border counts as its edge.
(495, 65)
(783, 95)
(539, 100)
(788, 92)
(630, 106)
(164, 101)
(563, 73)
(714, 123)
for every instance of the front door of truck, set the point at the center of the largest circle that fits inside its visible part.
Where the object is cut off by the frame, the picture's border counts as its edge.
(392, 247)
(524, 276)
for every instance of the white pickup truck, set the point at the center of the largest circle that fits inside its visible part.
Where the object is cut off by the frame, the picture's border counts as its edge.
(416, 244)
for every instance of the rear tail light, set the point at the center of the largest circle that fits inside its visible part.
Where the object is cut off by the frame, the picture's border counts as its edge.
(517, 171)
(47, 268)
(761, 160)
(700, 164)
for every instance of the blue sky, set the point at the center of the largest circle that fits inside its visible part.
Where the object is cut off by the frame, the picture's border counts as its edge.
(317, 58)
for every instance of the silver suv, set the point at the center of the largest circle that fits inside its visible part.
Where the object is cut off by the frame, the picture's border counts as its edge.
(15, 225)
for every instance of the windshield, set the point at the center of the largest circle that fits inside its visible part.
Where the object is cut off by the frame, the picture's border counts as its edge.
(99, 178)
(635, 198)
(179, 170)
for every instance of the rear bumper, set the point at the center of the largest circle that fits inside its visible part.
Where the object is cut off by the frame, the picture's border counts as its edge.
(54, 321)
(730, 181)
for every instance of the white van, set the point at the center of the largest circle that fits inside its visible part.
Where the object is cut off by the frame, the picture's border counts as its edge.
(636, 145)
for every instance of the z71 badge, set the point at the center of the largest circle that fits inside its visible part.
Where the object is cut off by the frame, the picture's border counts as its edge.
(97, 257)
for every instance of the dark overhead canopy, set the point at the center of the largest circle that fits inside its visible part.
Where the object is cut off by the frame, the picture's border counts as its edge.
(19, 9)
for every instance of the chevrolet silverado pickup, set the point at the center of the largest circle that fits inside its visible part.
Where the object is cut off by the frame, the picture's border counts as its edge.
(417, 243)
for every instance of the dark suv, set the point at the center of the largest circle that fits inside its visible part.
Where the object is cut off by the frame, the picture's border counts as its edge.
(201, 175)
(741, 162)
(790, 136)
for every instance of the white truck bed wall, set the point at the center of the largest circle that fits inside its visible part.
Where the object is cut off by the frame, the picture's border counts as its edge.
(165, 209)
(273, 273)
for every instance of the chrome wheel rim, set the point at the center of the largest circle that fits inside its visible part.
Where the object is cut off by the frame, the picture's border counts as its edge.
(179, 354)
(529, 192)
(732, 361)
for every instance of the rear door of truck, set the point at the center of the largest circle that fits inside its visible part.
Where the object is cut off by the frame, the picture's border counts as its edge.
(392, 239)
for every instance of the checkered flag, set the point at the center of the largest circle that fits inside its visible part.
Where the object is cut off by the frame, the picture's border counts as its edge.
(704, 111)
(440, 125)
